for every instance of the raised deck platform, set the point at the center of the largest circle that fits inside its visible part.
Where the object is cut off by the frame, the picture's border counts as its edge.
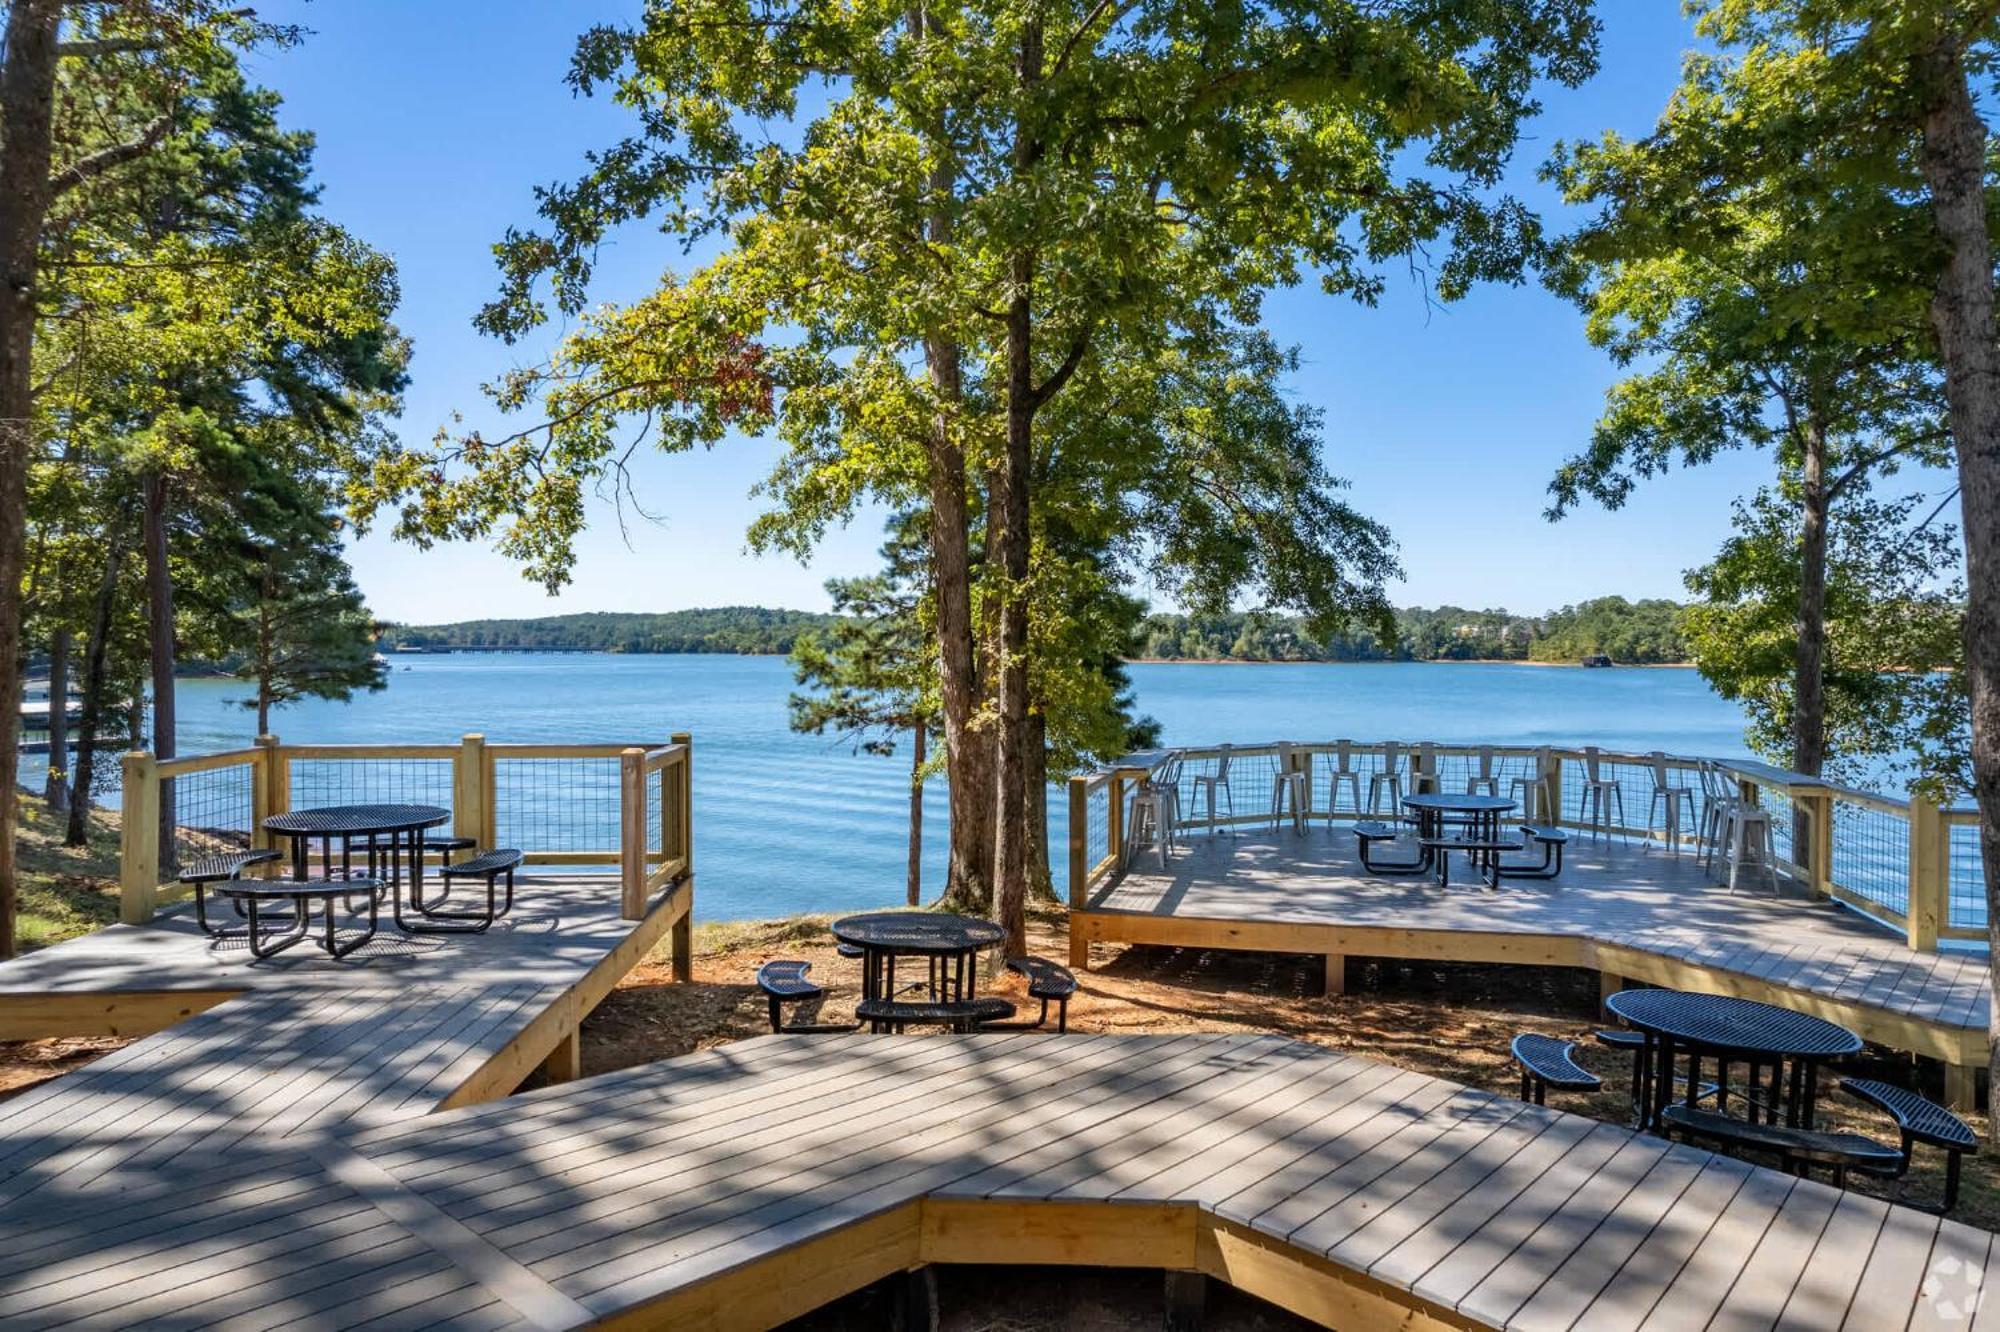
(747, 1184)
(253, 1061)
(1628, 911)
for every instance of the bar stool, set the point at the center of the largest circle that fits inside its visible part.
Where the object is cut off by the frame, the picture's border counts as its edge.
(1156, 807)
(1745, 823)
(1207, 783)
(1426, 777)
(1343, 775)
(1718, 795)
(1389, 777)
(1531, 790)
(1679, 799)
(1600, 793)
(1483, 780)
(1288, 786)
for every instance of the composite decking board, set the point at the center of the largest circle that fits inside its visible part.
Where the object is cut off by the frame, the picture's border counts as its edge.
(1820, 1298)
(1579, 1280)
(1882, 1297)
(1765, 1285)
(1390, 1141)
(1634, 898)
(882, 1153)
(516, 1201)
(1660, 1255)
(541, 1227)
(1296, 1193)
(1949, 1292)
(1409, 1177)
(1077, 1149)
(1694, 1294)
(1402, 1223)
(545, 1131)
(1269, 1177)
(1494, 1236)
(1172, 1170)
(1533, 1262)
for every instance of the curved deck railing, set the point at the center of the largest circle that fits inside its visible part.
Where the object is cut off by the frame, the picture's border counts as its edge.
(1902, 861)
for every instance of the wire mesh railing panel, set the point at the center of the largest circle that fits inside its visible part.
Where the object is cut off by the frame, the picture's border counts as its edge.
(371, 781)
(656, 829)
(1966, 888)
(1871, 854)
(1624, 800)
(1097, 825)
(211, 811)
(569, 804)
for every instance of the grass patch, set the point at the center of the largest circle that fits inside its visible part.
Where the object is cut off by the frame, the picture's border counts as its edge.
(65, 890)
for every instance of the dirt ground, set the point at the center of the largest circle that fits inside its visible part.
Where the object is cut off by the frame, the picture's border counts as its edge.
(1451, 1020)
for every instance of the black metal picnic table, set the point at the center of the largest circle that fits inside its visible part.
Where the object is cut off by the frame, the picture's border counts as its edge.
(401, 827)
(1789, 1044)
(946, 941)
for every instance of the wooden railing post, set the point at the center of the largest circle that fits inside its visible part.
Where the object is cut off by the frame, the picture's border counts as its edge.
(270, 789)
(1079, 841)
(1551, 766)
(1818, 860)
(1114, 821)
(1302, 759)
(683, 800)
(632, 833)
(1930, 869)
(468, 789)
(139, 838)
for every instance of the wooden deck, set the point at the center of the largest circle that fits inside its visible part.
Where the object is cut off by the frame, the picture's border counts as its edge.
(1628, 911)
(746, 1184)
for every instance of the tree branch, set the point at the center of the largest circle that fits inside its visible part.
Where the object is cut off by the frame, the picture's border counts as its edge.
(1053, 384)
(104, 159)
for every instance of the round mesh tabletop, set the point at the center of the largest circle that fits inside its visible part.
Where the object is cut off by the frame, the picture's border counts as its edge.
(1719, 1022)
(355, 820)
(280, 888)
(1447, 803)
(917, 931)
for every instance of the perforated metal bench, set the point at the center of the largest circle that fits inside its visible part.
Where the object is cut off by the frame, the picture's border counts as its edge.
(1047, 981)
(1920, 1119)
(1369, 832)
(446, 843)
(1484, 852)
(1797, 1150)
(1551, 841)
(490, 866)
(783, 981)
(960, 1015)
(1548, 1061)
(219, 867)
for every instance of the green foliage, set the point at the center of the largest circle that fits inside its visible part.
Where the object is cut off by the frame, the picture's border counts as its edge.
(1895, 682)
(866, 676)
(738, 629)
(1633, 633)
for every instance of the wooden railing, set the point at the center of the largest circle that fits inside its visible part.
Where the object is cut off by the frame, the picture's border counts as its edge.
(1902, 861)
(623, 806)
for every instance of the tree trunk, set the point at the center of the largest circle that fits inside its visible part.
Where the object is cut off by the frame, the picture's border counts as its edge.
(1041, 875)
(160, 647)
(27, 120)
(1010, 832)
(1809, 658)
(916, 869)
(55, 789)
(96, 651)
(1954, 164)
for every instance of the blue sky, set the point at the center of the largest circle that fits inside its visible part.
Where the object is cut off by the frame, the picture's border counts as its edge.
(435, 120)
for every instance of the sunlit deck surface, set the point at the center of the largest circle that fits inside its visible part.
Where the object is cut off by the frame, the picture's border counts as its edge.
(745, 1184)
(1628, 910)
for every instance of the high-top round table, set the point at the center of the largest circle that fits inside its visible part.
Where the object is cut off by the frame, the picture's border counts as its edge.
(1731, 1030)
(946, 941)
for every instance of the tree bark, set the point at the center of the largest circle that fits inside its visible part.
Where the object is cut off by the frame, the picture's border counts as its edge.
(1809, 659)
(27, 123)
(96, 652)
(915, 875)
(1954, 166)
(160, 646)
(1010, 831)
(55, 790)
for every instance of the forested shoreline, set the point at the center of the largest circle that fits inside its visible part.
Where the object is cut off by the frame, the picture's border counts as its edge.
(1642, 632)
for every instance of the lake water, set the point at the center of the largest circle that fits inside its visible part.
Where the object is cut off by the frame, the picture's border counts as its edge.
(788, 823)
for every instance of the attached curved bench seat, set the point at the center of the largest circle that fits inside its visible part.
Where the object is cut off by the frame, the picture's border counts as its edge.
(959, 1015)
(1048, 982)
(1920, 1119)
(1797, 1150)
(219, 867)
(1549, 1061)
(1369, 832)
(490, 866)
(783, 981)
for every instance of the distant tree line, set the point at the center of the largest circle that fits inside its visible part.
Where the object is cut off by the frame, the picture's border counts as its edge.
(1630, 632)
(737, 629)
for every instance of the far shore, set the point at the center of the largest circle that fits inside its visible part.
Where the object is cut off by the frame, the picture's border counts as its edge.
(1408, 661)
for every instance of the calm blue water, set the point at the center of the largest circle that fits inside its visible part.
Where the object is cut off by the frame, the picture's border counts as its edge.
(788, 823)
